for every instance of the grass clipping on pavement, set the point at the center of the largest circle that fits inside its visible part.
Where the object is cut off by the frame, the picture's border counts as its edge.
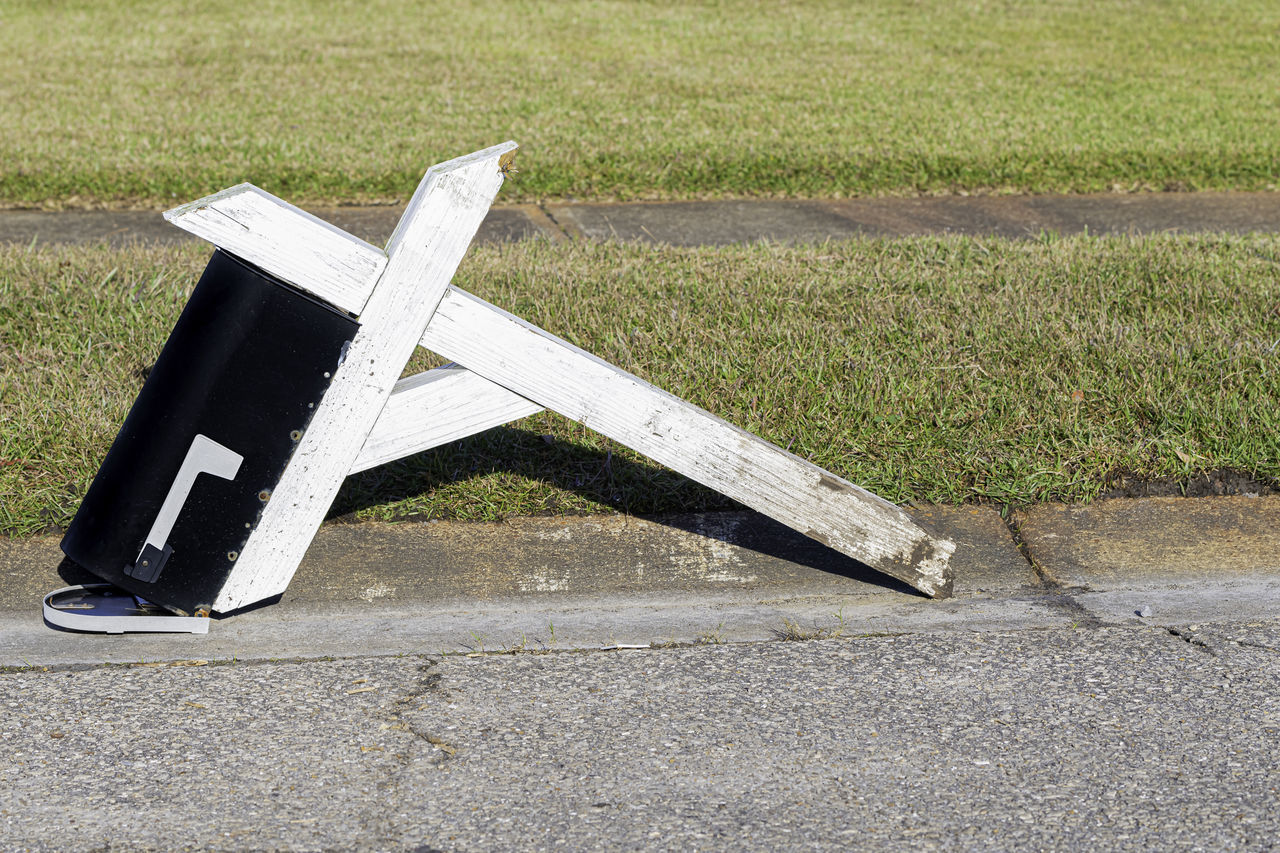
(927, 370)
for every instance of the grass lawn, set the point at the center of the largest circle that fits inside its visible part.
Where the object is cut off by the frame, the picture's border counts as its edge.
(925, 369)
(152, 103)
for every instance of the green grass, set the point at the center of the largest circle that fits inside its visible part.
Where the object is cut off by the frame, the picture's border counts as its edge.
(940, 370)
(152, 103)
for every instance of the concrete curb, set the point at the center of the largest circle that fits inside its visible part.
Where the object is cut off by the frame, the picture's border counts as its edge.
(1153, 541)
(586, 582)
(724, 222)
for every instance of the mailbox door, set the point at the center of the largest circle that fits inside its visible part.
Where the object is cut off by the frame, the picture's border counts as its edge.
(216, 422)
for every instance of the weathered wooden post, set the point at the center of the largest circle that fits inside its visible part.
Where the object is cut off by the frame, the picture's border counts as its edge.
(376, 306)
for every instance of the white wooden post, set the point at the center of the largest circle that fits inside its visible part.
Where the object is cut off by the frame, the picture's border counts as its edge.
(505, 369)
(422, 254)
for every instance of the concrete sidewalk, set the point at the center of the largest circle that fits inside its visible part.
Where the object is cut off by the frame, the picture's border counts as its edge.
(723, 222)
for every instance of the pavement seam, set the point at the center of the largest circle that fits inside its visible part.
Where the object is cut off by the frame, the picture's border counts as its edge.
(81, 666)
(1059, 597)
(565, 228)
(1063, 601)
(545, 223)
(1009, 517)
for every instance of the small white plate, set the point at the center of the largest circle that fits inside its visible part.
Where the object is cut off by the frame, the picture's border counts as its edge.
(101, 608)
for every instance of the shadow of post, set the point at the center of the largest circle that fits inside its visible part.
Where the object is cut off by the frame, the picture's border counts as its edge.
(608, 481)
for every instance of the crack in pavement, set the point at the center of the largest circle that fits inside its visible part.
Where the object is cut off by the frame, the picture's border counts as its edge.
(1190, 638)
(1252, 645)
(428, 682)
(1059, 597)
(382, 826)
(1062, 600)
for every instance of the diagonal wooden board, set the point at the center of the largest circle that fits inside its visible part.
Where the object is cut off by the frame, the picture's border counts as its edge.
(421, 257)
(541, 367)
(437, 407)
(507, 368)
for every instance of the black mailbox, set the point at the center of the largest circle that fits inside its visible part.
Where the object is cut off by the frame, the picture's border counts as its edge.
(208, 438)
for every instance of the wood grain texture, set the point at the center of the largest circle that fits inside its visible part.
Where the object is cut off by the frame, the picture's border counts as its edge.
(287, 242)
(518, 368)
(541, 367)
(437, 407)
(422, 255)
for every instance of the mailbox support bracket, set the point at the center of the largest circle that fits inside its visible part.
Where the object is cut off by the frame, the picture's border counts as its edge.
(503, 369)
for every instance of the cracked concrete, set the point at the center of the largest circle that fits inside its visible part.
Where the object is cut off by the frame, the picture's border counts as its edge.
(560, 583)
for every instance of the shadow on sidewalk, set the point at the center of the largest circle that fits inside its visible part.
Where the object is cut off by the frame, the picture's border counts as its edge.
(600, 477)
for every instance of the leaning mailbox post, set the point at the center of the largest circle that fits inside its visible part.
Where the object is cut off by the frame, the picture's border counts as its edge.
(282, 376)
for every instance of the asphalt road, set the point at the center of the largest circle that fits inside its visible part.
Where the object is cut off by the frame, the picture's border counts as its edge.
(1123, 736)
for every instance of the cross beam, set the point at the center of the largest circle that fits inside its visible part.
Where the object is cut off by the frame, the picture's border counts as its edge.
(505, 368)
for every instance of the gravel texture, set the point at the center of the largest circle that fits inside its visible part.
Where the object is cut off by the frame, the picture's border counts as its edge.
(1143, 737)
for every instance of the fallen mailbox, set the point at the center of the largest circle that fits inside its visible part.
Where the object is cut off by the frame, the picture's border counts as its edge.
(281, 378)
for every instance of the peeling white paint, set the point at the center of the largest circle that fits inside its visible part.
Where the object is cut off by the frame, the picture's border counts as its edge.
(379, 591)
(542, 580)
